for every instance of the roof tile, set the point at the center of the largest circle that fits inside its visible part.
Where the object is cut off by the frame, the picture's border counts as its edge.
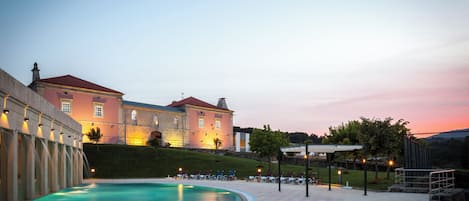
(69, 80)
(194, 101)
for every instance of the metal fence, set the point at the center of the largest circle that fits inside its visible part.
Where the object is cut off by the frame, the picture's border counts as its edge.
(441, 183)
(436, 182)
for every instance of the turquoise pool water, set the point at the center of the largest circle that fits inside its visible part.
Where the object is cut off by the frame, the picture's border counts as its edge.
(141, 192)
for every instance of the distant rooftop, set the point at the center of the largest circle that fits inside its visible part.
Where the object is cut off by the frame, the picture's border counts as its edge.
(150, 106)
(194, 101)
(69, 80)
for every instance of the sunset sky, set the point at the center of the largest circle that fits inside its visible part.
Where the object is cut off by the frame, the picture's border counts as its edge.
(296, 65)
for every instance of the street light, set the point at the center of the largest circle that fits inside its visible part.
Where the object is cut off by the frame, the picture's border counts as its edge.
(339, 172)
(365, 176)
(259, 173)
(390, 164)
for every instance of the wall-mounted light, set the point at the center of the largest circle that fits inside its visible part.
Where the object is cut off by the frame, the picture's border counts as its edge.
(52, 129)
(26, 119)
(61, 133)
(6, 111)
(39, 125)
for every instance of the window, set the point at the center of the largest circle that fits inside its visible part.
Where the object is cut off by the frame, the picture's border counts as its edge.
(98, 110)
(66, 106)
(176, 121)
(217, 123)
(201, 122)
(155, 120)
(133, 115)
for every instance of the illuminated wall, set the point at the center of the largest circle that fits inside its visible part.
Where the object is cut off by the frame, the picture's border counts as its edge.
(82, 108)
(203, 137)
(149, 118)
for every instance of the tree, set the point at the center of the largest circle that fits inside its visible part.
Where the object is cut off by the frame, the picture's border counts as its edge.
(94, 135)
(217, 142)
(346, 134)
(381, 138)
(266, 142)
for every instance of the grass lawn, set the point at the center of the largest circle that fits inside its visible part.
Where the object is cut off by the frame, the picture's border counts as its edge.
(122, 161)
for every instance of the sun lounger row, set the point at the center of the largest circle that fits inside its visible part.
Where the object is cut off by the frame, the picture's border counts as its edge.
(199, 175)
(286, 180)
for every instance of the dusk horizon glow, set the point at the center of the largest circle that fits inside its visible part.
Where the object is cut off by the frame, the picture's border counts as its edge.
(298, 66)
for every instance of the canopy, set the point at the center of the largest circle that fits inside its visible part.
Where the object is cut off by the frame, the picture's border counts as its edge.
(322, 148)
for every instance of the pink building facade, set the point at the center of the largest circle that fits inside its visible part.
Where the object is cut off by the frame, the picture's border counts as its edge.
(90, 104)
(190, 122)
(207, 122)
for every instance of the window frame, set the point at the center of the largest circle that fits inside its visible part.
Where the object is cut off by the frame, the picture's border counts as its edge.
(62, 101)
(201, 122)
(98, 105)
(218, 123)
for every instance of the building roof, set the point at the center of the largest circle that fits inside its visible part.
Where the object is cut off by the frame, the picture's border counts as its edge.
(194, 101)
(322, 148)
(150, 106)
(242, 130)
(72, 81)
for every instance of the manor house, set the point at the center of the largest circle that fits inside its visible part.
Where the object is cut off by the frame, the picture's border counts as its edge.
(189, 123)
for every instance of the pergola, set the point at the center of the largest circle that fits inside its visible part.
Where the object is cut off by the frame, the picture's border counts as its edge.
(322, 148)
(328, 149)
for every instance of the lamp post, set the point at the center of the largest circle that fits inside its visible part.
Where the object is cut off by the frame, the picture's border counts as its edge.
(390, 164)
(365, 176)
(339, 173)
(306, 168)
(92, 171)
(329, 159)
(259, 173)
(279, 158)
(180, 173)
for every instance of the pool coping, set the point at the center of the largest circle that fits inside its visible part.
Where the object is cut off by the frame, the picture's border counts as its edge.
(243, 195)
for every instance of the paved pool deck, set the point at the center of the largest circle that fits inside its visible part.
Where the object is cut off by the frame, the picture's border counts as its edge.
(290, 192)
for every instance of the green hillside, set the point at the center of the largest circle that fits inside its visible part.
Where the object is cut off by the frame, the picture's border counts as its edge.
(122, 161)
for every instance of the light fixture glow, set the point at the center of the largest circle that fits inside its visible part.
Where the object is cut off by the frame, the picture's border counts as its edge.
(40, 125)
(391, 162)
(26, 119)
(6, 111)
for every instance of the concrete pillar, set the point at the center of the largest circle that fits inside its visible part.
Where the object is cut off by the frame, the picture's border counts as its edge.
(3, 167)
(44, 168)
(80, 165)
(75, 167)
(30, 148)
(70, 166)
(62, 173)
(55, 168)
(12, 166)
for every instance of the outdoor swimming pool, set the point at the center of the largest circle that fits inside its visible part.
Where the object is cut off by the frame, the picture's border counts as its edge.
(141, 192)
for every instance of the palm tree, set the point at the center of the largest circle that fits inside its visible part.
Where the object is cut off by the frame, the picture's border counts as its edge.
(217, 143)
(94, 135)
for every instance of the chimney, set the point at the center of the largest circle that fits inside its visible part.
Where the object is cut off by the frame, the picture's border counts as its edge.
(35, 71)
(222, 103)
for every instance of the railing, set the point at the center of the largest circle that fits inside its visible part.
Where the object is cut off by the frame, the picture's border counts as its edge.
(436, 182)
(440, 183)
(413, 180)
